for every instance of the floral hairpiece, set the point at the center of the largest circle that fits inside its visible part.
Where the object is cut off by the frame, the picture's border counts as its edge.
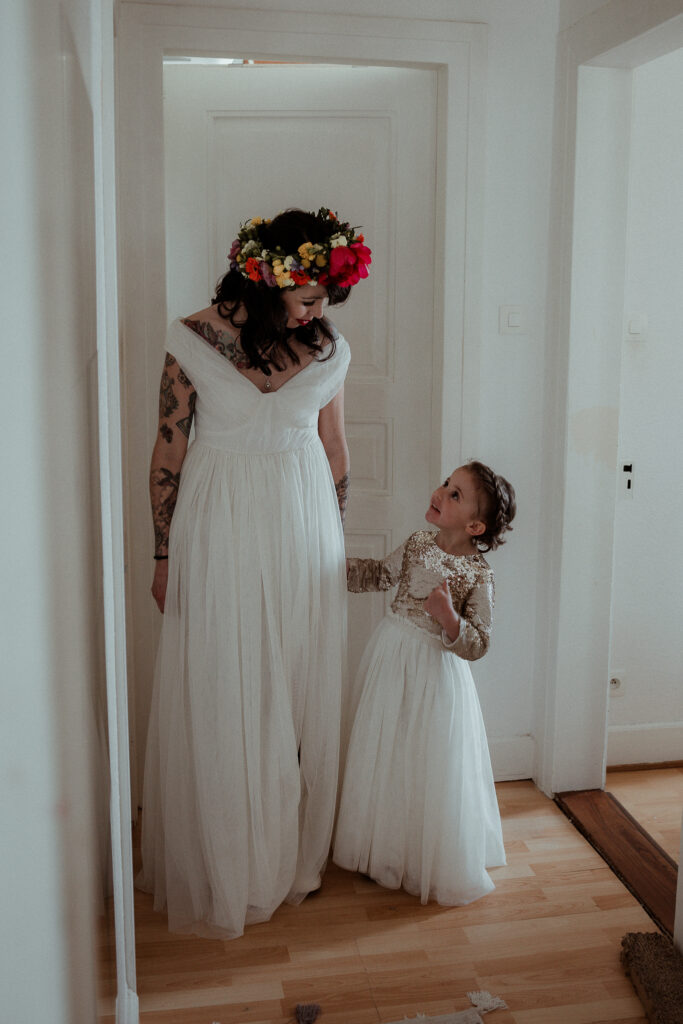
(342, 259)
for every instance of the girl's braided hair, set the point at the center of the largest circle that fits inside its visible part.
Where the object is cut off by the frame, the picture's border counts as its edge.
(497, 507)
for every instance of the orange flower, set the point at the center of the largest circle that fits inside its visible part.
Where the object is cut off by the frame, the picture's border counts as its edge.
(252, 268)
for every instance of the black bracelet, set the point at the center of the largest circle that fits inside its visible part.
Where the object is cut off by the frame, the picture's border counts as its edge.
(160, 558)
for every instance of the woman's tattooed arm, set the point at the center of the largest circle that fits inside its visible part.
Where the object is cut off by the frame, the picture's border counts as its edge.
(333, 437)
(177, 399)
(342, 488)
(163, 487)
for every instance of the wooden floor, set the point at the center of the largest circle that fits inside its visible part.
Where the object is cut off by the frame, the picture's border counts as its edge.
(547, 941)
(646, 870)
(655, 799)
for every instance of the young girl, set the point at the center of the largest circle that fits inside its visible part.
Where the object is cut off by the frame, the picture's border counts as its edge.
(418, 806)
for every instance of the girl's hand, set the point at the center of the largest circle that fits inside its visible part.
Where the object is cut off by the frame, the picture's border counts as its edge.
(159, 584)
(439, 605)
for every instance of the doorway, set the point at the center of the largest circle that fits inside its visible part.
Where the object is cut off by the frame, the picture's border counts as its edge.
(594, 113)
(453, 56)
(646, 702)
(593, 253)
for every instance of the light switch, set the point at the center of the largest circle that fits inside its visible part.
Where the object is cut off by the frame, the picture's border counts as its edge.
(636, 327)
(512, 320)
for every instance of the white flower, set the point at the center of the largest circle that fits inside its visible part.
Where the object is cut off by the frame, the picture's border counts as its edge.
(337, 240)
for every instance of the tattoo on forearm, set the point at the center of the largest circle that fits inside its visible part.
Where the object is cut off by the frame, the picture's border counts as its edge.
(342, 488)
(164, 489)
(185, 424)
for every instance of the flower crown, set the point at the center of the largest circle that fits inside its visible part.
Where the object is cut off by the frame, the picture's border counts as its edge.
(342, 259)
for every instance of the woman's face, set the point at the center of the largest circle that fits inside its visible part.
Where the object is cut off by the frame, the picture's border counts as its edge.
(304, 303)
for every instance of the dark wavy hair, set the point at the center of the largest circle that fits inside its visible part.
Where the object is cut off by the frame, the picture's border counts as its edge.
(258, 311)
(497, 505)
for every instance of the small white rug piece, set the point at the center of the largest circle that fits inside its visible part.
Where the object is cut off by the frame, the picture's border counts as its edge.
(482, 1002)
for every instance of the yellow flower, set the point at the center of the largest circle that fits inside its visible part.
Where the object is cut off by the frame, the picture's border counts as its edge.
(320, 260)
(256, 221)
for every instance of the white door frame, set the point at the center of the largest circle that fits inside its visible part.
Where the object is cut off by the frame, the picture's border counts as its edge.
(112, 505)
(575, 599)
(456, 51)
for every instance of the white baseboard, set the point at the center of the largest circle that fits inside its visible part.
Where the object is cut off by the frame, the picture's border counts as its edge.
(645, 744)
(512, 758)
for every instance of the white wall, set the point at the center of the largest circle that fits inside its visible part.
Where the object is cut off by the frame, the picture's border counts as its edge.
(510, 432)
(646, 718)
(519, 128)
(590, 444)
(51, 615)
(572, 11)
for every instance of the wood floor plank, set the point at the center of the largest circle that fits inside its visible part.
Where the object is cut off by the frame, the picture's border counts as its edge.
(642, 865)
(547, 940)
(654, 797)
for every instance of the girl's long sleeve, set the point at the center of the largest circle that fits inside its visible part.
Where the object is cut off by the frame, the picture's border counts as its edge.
(366, 574)
(476, 615)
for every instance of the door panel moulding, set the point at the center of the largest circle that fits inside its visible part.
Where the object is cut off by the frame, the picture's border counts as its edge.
(572, 721)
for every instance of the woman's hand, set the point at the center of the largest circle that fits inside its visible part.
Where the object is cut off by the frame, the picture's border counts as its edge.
(439, 605)
(159, 584)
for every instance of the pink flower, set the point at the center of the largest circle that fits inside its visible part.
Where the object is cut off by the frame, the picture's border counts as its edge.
(348, 264)
(267, 274)
(234, 249)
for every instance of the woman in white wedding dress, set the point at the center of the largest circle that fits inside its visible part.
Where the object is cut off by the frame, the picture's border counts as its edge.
(243, 743)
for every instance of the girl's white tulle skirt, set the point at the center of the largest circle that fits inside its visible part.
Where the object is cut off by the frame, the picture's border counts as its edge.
(418, 807)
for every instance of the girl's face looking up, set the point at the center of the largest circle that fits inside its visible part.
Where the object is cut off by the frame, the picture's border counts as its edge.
(454, 507)
(304, 304)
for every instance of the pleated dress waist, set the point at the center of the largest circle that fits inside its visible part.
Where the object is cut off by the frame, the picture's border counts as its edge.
(249, 441)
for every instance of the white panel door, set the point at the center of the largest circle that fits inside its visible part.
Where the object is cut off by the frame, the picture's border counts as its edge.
(247, 140)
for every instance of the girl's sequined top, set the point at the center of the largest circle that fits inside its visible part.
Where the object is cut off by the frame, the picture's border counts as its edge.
(418, 566)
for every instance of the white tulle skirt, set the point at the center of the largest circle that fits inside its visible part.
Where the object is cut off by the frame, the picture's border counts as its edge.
(418, 807)
(243, 744)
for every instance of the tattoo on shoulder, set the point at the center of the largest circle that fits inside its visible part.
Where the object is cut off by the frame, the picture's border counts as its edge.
(223, 342)
(166, 432)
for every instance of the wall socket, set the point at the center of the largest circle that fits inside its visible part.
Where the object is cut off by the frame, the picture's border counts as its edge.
(616, 684)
